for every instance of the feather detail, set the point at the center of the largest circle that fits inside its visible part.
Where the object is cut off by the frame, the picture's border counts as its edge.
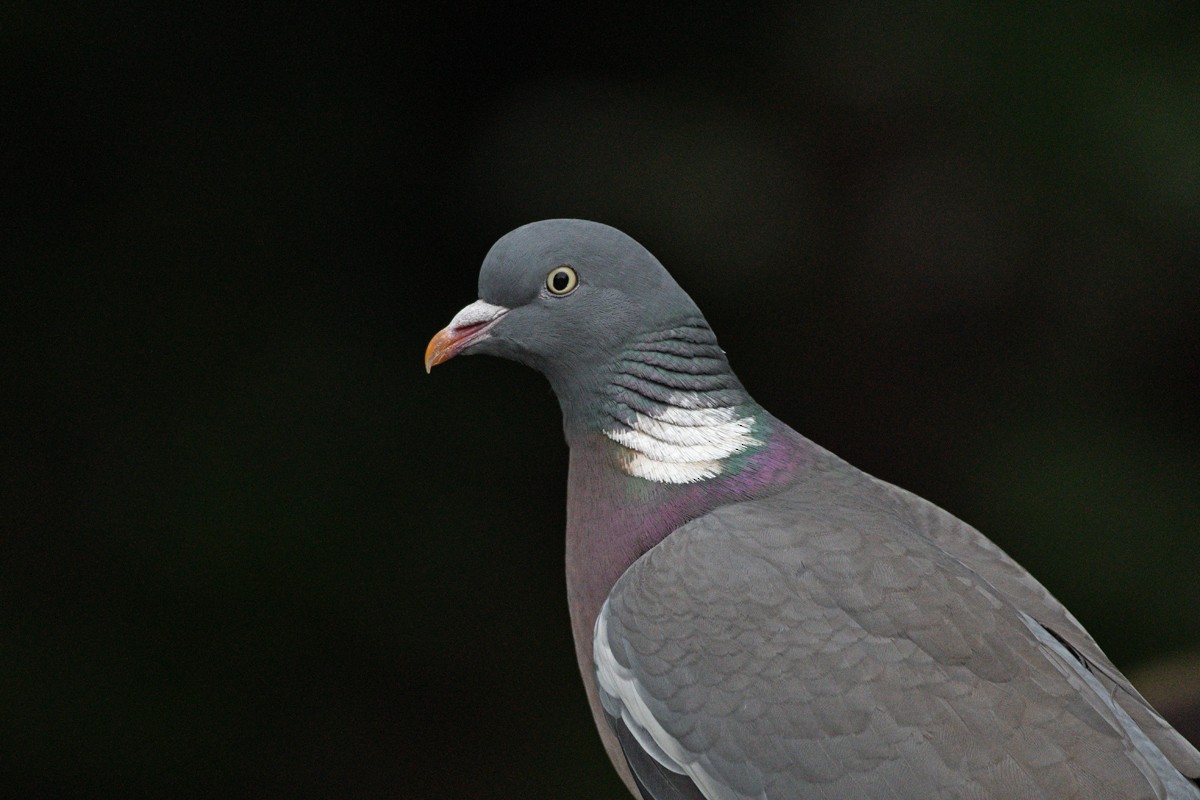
(676, 409)
(683, 445)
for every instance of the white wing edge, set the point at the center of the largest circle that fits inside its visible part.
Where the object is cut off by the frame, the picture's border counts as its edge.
(620, 697)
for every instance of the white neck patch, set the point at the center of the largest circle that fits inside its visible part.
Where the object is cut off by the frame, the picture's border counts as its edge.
(684, 443)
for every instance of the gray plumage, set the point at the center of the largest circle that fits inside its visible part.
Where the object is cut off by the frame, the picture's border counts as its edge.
(756, 618)
(824, 643)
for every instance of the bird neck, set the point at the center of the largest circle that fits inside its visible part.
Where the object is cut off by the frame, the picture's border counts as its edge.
(670, 403)
(666, 434)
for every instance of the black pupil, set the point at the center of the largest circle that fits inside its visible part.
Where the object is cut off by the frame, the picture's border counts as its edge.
(559, 281)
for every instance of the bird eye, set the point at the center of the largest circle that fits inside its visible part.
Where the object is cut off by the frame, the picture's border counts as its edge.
(562, 280)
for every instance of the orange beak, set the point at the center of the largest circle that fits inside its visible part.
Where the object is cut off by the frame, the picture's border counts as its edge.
(469, 326)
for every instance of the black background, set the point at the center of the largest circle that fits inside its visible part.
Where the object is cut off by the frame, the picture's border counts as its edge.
(252, 550)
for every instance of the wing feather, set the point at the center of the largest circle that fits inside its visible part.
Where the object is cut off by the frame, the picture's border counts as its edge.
(826, 643)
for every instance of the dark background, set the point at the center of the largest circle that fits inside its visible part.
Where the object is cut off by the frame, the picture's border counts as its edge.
(252, 550)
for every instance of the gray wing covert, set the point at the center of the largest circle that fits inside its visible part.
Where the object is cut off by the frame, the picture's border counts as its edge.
(835, 656)
(1027, 593)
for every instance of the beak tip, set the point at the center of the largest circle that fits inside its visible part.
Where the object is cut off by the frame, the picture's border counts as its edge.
(441, 348)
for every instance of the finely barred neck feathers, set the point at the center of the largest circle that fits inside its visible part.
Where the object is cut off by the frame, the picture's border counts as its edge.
(676, 410)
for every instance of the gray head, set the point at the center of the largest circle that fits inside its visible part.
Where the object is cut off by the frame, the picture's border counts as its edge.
(564, 296)
(627, 352)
